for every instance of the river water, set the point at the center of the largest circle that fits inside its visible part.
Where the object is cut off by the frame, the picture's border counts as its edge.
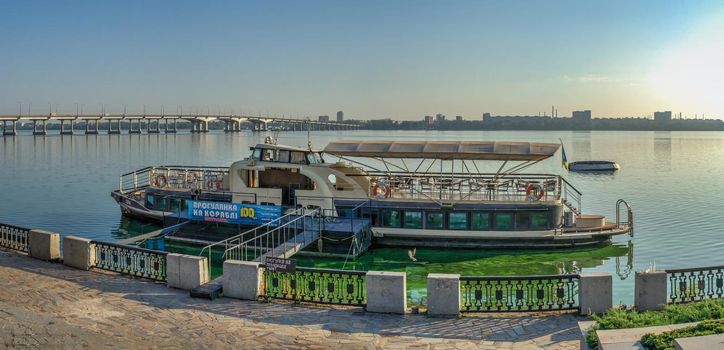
(671, 179)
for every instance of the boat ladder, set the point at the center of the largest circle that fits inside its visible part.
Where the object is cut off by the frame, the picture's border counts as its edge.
(629, 218)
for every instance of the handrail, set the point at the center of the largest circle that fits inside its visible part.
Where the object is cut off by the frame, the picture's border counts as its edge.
(630, 218)
(209, 246)
(295, 220)
(695, 269)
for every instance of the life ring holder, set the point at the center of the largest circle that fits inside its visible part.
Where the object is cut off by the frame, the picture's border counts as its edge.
(534, 191)
(160, 181)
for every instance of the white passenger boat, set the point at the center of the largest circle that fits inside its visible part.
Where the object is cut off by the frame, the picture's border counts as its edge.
(414, 193)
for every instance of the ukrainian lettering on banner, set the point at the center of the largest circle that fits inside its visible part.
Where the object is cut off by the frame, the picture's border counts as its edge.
(232, 213)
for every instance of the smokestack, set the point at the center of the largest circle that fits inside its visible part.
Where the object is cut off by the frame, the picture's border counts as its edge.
(552, 111)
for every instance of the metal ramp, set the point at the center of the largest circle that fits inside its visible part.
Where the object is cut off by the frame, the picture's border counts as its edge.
(282, 237)
(281, 242)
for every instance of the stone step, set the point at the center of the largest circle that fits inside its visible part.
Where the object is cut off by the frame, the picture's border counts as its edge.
(211, 290)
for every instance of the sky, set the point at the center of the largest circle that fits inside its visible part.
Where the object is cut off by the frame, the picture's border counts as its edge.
(372, 59)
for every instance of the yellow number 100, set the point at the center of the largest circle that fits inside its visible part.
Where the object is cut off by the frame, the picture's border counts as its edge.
(248, 213)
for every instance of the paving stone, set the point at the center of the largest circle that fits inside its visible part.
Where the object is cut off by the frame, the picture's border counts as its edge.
(51, 306)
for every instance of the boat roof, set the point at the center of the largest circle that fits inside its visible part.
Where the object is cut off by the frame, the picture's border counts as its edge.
(446, 150)
(281, 147)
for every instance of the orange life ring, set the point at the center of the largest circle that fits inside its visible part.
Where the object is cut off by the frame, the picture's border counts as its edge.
(534, 191)
(387, 190)
(213, 185)
(160, 181)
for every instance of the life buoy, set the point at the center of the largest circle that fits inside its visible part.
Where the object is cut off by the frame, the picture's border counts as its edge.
(385, 187)
(534, 192)
(213, 184)
(160, 181)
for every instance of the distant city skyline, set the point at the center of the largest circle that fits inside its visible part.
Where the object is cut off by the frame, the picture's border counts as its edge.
(403, 59)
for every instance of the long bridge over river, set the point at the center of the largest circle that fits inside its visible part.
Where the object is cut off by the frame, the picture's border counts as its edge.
(157, 123)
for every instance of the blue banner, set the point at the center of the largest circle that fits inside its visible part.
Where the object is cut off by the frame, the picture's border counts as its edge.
(232, 213)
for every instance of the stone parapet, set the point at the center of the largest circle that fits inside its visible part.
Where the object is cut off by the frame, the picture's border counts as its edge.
(650, 292)
(78, 252)
(44, 245)
(443, 294)
(595, 292)
(242, 279)
(386, 292)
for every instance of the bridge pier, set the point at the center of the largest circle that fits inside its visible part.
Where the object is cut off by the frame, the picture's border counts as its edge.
(12, 131)
(168, 130)
(94, 130)
(153, 130)
(63, 131)
(199, 126)
(111, 130)
(131, 129)
(43, 130)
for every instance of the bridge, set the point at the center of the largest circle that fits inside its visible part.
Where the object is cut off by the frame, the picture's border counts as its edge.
(157, 123)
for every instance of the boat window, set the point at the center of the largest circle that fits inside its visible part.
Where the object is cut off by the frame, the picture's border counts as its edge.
(458, 220)
(391, 218)
(283, 156)
(314, 158)
(257, 154)
(480, 220)
(149, 201)
(539, 219)
(175, 205)
(433, 220)
(413, 219)
(521, 219)
(268, 155)
(298, 158)
(162, 203)
(503, 221)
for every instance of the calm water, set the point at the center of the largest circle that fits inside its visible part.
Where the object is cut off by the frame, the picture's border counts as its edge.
(672, 180)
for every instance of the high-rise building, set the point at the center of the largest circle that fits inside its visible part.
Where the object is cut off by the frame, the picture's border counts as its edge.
(324, 118)
(458, 118)
(428, 120)
(340, 117)
(582, 116)
(439, 117)
(486, 116)
(662, 117)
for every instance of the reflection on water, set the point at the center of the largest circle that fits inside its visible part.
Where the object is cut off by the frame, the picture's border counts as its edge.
(63, 184)
(479, 262)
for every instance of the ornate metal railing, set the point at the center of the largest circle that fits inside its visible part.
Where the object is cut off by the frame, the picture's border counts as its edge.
(131, 261)
(14, 237)
(322, 286)
(694, 284)
(519, 293)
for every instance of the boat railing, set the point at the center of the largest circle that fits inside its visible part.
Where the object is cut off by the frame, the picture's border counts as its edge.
(174, 177)
(483, 187)
(570, 196)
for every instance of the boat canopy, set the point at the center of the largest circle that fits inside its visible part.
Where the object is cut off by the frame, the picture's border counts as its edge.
(444, 150)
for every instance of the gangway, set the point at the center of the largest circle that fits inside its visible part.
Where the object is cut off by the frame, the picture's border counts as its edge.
(281, 242)
(260, 230)
(278, 238)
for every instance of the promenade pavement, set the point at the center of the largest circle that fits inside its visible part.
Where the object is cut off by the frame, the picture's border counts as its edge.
(49, 306)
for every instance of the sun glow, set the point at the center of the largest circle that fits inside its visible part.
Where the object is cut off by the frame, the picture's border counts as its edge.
(691, 76)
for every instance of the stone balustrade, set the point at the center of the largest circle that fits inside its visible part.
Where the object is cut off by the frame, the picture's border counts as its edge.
(377, 291)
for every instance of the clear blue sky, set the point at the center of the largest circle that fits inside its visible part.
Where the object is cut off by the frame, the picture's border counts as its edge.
(400, 59)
